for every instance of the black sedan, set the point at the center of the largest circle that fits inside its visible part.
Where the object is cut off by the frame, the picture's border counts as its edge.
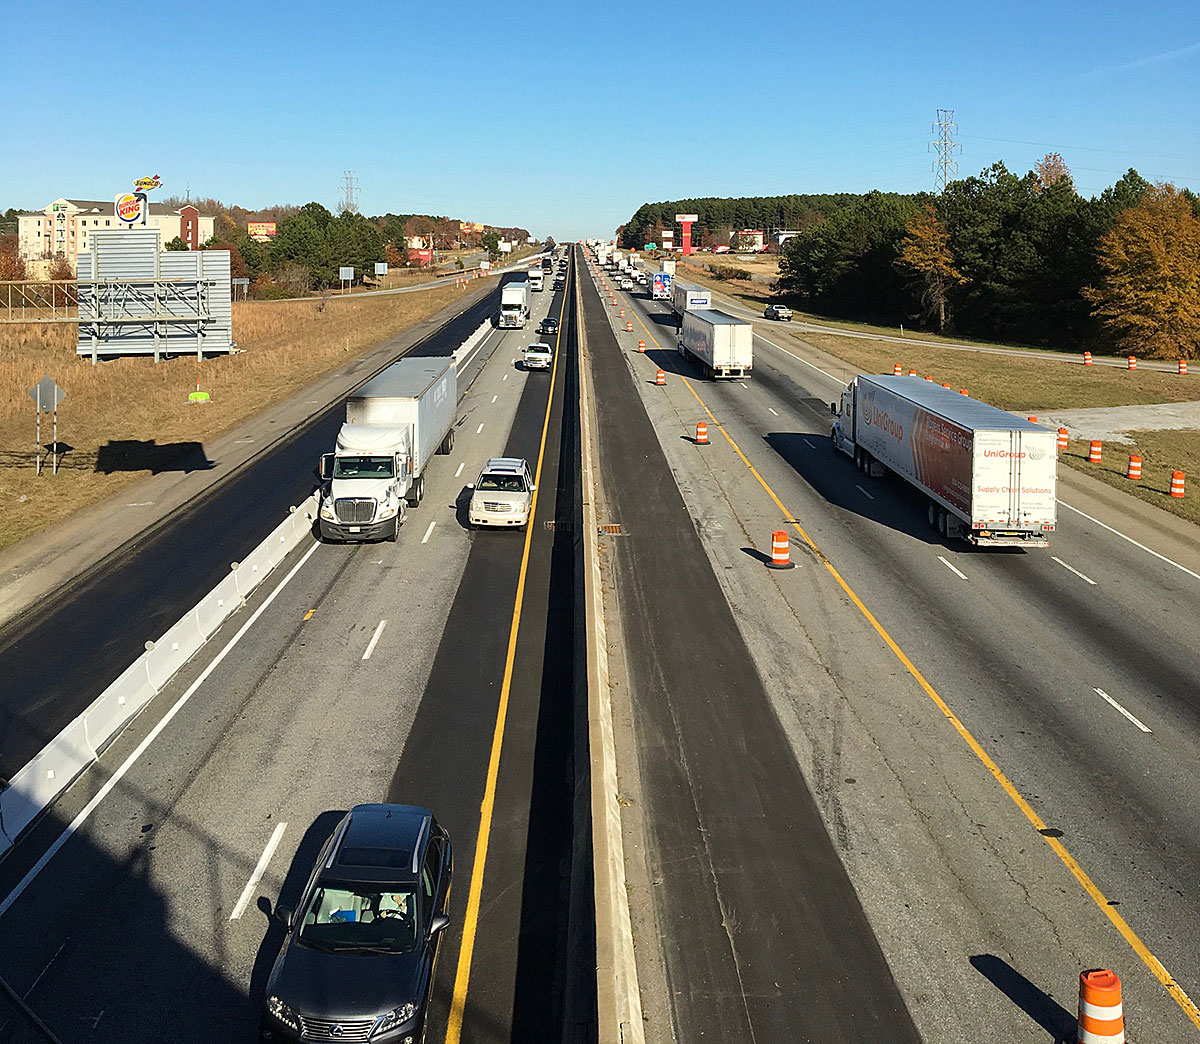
(362, 943)
(549, 325)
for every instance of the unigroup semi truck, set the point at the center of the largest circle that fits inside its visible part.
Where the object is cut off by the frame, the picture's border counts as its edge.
(990, 477)
(660, 286)
(394, 425)
(514, 303)
(722, 344)
(687, 295)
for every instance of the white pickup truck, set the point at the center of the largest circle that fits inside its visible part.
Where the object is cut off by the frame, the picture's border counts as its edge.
(538, 356)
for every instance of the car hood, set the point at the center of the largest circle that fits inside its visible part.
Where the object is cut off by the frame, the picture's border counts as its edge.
(496, 496)
(343, 985)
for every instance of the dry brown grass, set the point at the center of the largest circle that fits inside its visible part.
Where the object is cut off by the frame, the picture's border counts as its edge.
(1162, 452)
(285, 346)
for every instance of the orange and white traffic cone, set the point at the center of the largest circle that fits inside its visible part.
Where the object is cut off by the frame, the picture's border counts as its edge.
(702, 434)
(1134, 471)
(912, 373)
(928, 378)
(1177, 484)
(1101, 1017)
(1032, 418)
(897, 370)
(1133, 362)
(780, 552)
(621, 313)
(629, 326)
(1087, 358)
(1063, 435)
(1183, 367)
(641, 346)
(660, 378)
(1094, 451)
(962, 391)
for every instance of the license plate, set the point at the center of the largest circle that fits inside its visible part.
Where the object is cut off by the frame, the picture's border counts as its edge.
(356, 529)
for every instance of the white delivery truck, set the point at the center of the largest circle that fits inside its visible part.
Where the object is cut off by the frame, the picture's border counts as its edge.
(536, 279)
(660, 286)
(687, 295)
(394, 425)
(991, 478)
(514, 303)
(722, 344)
(667, 265)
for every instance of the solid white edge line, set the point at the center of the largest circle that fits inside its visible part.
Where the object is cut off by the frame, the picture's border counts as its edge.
(798, 359)
(375, 637)
(1072, 569)
(1117, 707)
(952, 568)
(460, 469)
(259, 870)
(141, 748)
(479, 429)
(1117, 532)
(428, 532)
(475, 351)
(869, 496)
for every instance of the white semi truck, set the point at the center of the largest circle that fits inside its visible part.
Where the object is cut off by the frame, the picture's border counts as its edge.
(394, 424)
(514, 303)
(990, 477)
(687, 295)
(660, 286)
(536, 279)
(722, 344)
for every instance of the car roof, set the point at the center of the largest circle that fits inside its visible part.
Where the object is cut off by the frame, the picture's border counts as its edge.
(380, 842)
(538, 344)
(505, 464)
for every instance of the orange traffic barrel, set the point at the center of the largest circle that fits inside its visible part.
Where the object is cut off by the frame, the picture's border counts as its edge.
(1063, 435)
(1133, 362)
(1101, 1017)
(945, 384)
(912, 373)
(962, 391)
(1177, 484)
(1087, 358)
(1134, 471)
(1032, 417)
(629, 326)
(780, 553)
(1183, 366)
(641, 346)
(897, 370)
(621, 313)
(1094, 452)
(702, 433)
(660, 377)
(928, 378)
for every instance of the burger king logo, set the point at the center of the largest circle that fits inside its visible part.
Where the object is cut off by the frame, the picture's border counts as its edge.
(129, 207)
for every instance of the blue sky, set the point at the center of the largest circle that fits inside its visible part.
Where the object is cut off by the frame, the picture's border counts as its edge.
(564, 118)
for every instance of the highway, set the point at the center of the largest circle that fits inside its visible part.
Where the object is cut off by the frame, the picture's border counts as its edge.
(437, 670)
(1073, 669)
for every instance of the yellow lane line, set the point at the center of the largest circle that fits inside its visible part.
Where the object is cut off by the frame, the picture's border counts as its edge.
(1089, 886)
(462, 975)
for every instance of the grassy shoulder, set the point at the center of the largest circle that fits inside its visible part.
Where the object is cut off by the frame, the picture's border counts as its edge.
(124, 418)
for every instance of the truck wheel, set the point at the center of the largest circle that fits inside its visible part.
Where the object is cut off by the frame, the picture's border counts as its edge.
(394, 535)
(932, 516)
(942, 521)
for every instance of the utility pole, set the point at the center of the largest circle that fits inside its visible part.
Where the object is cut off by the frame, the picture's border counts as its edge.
(945, 166)
(349, 193)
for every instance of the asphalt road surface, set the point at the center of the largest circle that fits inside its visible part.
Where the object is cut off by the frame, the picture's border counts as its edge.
(359, 673)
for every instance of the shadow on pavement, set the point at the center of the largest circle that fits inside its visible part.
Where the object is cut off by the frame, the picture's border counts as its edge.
(1036, 1003)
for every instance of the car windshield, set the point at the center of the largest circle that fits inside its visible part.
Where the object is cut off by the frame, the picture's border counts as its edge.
(350, 918)
(501, 483)
(363, 467)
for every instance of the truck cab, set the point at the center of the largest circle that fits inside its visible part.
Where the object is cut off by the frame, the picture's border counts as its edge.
(366, 481)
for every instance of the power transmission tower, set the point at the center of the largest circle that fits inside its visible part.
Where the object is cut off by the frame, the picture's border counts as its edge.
(349, 193)
(945, 166)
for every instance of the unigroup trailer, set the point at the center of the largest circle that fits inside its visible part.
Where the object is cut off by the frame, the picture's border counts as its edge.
(722, 344)
(991, 478)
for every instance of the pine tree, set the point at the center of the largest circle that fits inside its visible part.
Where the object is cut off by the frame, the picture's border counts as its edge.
(1149, 292)
(925, 253)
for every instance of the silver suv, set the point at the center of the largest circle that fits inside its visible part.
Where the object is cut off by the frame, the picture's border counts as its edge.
(502, 494)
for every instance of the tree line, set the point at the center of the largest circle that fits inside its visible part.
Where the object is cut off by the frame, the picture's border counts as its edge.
(996, 256)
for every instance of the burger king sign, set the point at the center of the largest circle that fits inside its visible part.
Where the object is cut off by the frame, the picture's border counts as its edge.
(131, 207)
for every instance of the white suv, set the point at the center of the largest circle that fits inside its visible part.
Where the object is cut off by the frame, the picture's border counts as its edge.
(538, 356)
(502, 494)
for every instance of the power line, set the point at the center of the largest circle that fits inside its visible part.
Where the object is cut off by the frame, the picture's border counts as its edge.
(945, 166)
(349, 193)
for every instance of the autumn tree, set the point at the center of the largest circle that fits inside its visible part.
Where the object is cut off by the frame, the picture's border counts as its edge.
(1149, 291)
(925, 254)
(12, 266)
(1050, 169)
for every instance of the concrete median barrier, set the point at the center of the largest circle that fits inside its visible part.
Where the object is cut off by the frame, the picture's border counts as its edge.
(36, 786)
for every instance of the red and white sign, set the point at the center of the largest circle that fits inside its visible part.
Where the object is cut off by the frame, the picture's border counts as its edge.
(130, 207)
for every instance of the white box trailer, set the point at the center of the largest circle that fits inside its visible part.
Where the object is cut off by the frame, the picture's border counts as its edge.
(991, 478)
(685, 296)
(514, 303)
(722, 344)
(394, 424)
(660, 286)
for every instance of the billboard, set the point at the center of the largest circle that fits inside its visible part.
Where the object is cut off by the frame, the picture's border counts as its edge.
(261, 231)
(130, 207)
(686, 218)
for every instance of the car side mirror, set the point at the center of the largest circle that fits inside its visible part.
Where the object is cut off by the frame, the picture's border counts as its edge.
(284, 914)
(470, 485)
(438, 923)
(533, 488)
(325, 467)
(833, 408)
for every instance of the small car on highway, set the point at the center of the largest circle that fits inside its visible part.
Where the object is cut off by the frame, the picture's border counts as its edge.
(502, 494)
(626, 283)
(538, 356)
(549, 325)
(778, 311)
(362, 944)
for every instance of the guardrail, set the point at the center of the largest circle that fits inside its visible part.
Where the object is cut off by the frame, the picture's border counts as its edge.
(56, 766)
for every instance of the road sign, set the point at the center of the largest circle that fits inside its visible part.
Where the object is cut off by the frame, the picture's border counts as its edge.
(47, 394)
(346, 274)
(381, 268)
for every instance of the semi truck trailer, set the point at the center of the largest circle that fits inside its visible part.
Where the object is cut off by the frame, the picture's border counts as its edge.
(990, 478)
(514, 303)
(688, 295)
(394, 425)
(722, 344)
(660, 286)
